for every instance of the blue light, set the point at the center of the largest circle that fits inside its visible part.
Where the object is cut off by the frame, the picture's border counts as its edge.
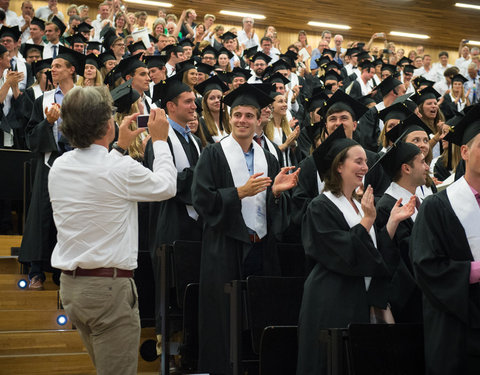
(62, 320)
(22, 284)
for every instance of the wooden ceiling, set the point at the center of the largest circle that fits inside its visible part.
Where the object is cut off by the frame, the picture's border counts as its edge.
(440, 19)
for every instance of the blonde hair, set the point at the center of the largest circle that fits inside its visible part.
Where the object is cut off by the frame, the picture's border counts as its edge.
(269, 128)
(98, 80)
(135, 150)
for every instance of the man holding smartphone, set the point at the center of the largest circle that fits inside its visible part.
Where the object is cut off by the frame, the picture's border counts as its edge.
(94, 195)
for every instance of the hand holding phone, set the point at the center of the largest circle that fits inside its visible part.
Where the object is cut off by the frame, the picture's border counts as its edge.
(142, 121)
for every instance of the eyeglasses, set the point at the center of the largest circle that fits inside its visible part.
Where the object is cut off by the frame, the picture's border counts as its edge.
(119, 45)
(208, 58)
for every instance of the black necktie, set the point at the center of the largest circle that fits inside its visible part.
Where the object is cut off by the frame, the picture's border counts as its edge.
(13, 64)
(54, 51)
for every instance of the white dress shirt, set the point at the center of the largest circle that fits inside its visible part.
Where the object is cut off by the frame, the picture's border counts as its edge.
(94, 195)
(7, 104)
(44, 12)
(248, 42)
(48, 50)
(20, 67)
(11, 18)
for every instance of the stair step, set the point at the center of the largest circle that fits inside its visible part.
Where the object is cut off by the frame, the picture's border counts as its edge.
(40, 342)
(43, 364)
(23, 320)
(8, 282)
(7, 242)
(10, 264)
(29, 300)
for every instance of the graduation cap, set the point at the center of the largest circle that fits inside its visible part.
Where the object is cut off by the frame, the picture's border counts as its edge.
(366, 100)
(333, 65)
(13, 32)
(112, 76)
(398, 111)
(39, 65)
(185, 42)
(171, 48)
(363, 55)
(322, 61)
(106, 56)
(137, 46)
(226, 77)
(83, 28)
(127, 66)
(280, 65)
(276, 78)
(422, 81)
(404, 60)
(94, 45)
(213, 83)
(366, 64)
(344, 102)
(411, 124)
(124, 96)
(409, 69)
(391, 68)
(377, 61)
(204, 68)
(92, 59)
(387, 85)
(39, 22)
(250, 52)
(239, 72)
(352, 51)
(109, 37)
(75, 58)
(152, 39)
(2, 49)
(76, 38)
(405, 100)
(167, 90)
(329, 52)
(261, 56)
(248, 95)
(61, 26)
(185, 66)
(329, 149)
(224, 51)
(154, 61)
(227, 36)
(316, 101)
(459, 78)
(467, 128)
(209, 50)
(425, 94)
(314, 130)
(27, 47)
(397, 155)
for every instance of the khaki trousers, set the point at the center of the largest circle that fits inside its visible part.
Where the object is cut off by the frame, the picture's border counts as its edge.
(105, 313)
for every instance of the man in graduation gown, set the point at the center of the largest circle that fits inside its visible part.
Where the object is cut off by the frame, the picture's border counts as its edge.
(47, 142)
(175, 219)
(405, 164)
(445, 251)
(243, 213)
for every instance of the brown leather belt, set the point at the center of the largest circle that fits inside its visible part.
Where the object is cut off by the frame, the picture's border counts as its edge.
(254, 238)
(100, 272)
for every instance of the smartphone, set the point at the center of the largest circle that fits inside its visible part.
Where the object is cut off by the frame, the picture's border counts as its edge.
(466, 41)
(142, 121)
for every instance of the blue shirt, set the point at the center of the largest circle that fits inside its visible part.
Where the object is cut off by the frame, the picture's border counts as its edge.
(58, 99)
(315, 55)
(185, 131)
(249, 160)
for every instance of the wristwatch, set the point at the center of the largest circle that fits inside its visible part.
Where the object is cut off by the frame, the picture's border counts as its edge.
(119, 149)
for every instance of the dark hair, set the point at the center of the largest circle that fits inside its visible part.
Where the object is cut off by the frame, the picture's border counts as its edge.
(265, 39)
(443, 53)
(398, 175)
(333, 179)
(2, 15)
(340, 107)
(85, 114)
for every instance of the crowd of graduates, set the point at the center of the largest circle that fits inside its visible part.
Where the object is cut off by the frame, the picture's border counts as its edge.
(366, 135)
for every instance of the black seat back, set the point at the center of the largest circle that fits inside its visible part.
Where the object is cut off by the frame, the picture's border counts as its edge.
(186, 257)
(278, 350)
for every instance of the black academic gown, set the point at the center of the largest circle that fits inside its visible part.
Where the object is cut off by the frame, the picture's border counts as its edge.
(334, 292)
(169, 220)
(405, 298)
(440, 171)
(441, 259)
(225, 244)
(369, 130)
(356, 90)
(39, 237)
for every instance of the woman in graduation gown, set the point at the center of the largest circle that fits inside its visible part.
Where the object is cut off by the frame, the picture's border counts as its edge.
(214, 121)
(231, 248)
(445, 252)
(456, 100)
(354, 262)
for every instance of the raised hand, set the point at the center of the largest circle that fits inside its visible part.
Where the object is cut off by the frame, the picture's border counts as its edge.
(368, 204)
(400, 213)
(285, 181)
(158, 125)
(53, 113)
(125, 135)
(254, 185)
